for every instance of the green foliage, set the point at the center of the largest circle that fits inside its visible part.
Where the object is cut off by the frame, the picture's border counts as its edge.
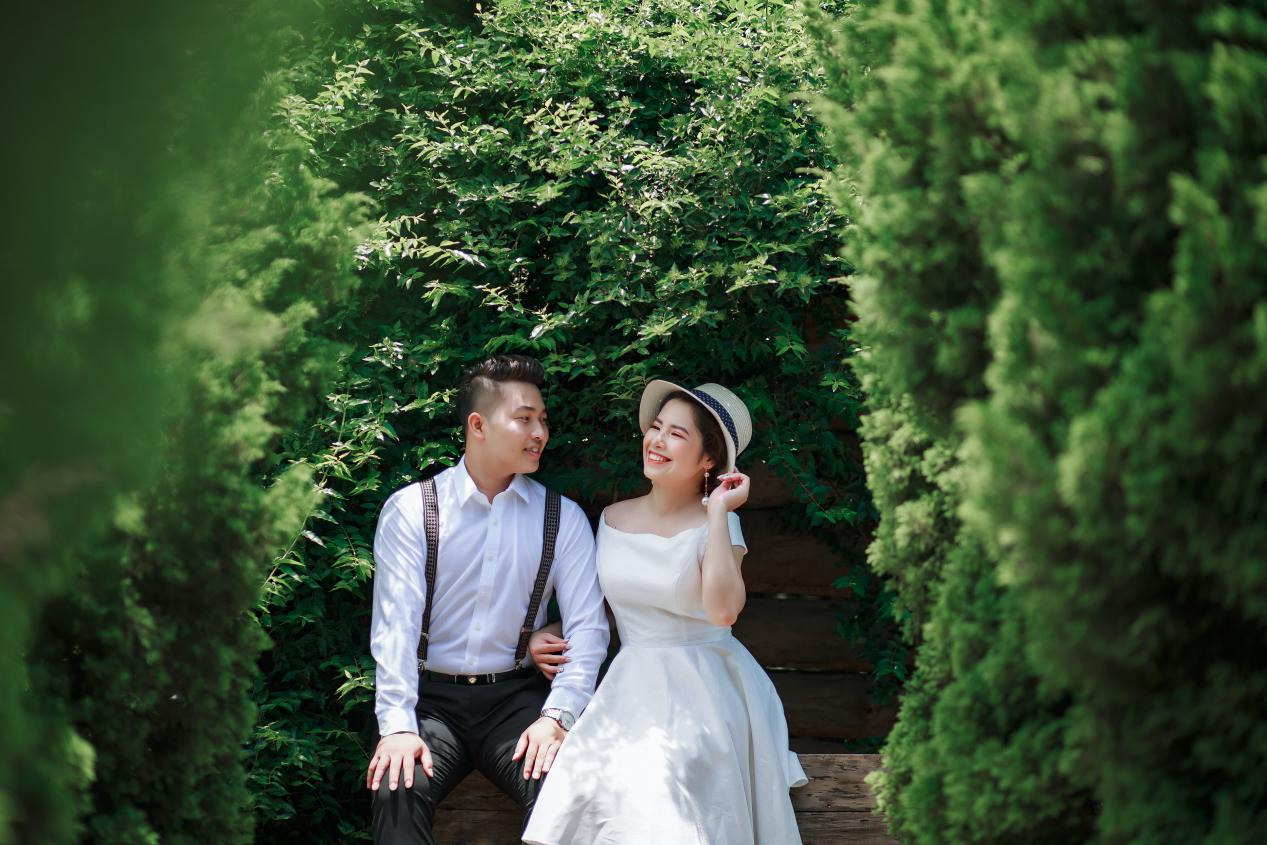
(202, 537)
(159, 340)
(1058, 224)
(624, 191)
(975, 756)
(1117, 464)
(89, 292)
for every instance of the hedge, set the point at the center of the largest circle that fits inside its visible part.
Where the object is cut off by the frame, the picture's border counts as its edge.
(174, 254)
(1058, 229)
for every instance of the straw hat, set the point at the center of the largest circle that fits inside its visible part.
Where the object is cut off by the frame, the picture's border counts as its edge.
(727, 408)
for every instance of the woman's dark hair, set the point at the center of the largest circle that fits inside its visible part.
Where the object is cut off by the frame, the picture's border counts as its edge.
(481, 382)
(710, 433)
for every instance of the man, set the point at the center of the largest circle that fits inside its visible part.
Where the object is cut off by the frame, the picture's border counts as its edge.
(478, 703)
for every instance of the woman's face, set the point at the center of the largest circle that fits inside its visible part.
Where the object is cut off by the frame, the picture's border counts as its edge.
(672, 448)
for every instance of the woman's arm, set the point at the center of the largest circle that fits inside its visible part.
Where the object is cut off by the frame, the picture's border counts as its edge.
(546, 646)
(724, 590)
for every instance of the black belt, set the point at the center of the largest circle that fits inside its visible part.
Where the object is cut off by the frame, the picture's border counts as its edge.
(483, 678)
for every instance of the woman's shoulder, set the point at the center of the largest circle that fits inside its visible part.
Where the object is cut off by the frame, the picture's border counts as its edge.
(625, 509)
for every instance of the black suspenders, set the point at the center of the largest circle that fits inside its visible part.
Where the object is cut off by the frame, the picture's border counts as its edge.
(549, 533)
(431, 524)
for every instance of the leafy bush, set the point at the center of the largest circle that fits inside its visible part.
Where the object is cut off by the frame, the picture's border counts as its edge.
(1058, 230)
(160, 341)
(625, 191)
(1117, 466)
(976, 753)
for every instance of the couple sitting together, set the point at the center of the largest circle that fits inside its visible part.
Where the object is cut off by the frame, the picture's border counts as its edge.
(684, 741)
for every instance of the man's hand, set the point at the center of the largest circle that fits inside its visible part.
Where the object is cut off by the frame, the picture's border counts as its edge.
(396, 753)
(538, 745)
(547, 650)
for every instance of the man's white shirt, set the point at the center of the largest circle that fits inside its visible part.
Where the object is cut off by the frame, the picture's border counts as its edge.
(485, 572)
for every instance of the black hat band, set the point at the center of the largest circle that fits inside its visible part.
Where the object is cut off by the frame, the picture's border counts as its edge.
(726, 419)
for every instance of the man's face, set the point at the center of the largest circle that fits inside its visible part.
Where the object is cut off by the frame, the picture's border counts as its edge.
(513, 428)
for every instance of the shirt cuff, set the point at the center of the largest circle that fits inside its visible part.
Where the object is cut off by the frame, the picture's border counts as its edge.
(567, 699)
(397, 720)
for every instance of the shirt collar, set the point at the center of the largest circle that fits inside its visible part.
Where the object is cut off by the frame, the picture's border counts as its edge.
(466, 489)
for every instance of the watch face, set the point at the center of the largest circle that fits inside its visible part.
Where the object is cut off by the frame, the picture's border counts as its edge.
(561, 716)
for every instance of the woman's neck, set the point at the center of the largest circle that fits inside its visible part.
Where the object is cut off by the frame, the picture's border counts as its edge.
(664, 500)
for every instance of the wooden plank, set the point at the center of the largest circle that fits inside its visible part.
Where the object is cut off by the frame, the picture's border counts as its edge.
(796, 633)
(455, 826)
(780, 560)
(837, 783)
(767, 490)
(477, 794)
(835, 806)
(785, 560)
(488, 827)
(812, 745)
(831, 705)
(839, 828)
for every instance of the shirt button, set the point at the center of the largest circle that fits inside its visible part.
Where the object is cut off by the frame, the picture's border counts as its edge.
(477, 626)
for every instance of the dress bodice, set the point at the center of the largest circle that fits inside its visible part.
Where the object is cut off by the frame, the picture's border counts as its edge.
(654, 584)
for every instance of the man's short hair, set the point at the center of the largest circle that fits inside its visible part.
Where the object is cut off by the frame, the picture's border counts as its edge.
(481, 382)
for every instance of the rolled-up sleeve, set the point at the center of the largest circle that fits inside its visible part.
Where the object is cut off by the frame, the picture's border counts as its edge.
(581, 605)
(400, 552)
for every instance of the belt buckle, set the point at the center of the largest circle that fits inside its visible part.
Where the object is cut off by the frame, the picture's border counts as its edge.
(470, 679)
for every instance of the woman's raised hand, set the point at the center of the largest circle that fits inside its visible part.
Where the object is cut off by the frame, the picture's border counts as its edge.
(546, 648)
(731, 493)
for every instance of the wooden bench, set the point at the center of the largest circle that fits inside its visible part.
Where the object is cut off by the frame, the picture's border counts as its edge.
(789, 625)
(834, 807)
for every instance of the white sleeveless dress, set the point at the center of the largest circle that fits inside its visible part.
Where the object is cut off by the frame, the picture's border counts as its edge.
(685, 741)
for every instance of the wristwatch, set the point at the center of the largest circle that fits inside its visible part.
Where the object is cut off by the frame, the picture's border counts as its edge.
(565, 719)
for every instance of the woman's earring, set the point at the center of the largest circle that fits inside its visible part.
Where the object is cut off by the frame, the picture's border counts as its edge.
(704, 501)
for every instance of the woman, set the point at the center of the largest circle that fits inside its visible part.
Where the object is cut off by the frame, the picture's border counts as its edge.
(685, 740)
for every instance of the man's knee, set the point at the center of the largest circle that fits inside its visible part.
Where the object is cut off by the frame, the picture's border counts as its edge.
(421, 789)
(522, 791)
(403, 814)
(529, 799)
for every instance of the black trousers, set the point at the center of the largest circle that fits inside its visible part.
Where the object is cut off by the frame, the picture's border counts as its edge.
(467, 727)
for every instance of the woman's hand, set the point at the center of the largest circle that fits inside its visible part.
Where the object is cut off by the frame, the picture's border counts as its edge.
(546, 648)
(730, 494)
